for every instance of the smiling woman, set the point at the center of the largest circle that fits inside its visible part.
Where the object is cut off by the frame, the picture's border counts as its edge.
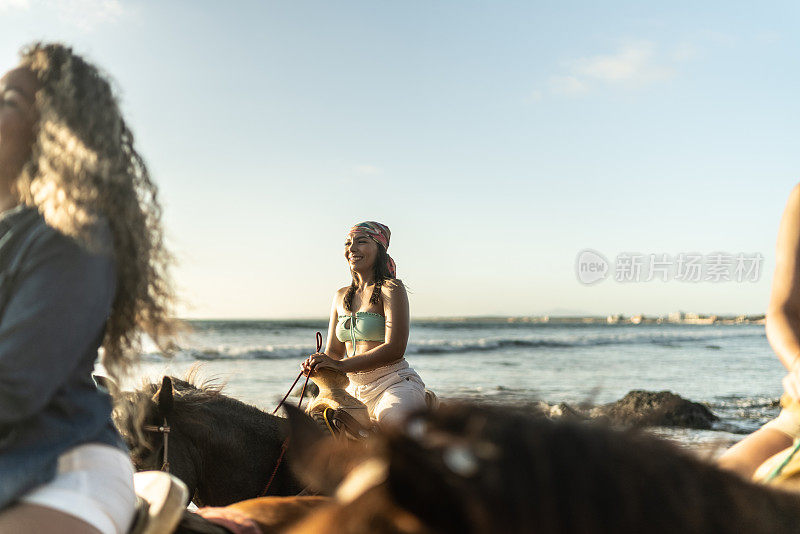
(368, 330)
(82, 265)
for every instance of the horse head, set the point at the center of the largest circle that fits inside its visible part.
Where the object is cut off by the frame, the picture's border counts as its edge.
(357, 473)
(481, 469)
(155, 432)
(223, 449)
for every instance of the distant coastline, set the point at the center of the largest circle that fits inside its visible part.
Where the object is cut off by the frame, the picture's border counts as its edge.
(615, 319)
(672, 318)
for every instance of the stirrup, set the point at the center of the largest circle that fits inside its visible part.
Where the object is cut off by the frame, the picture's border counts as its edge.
(351, 427)
(161, 501)
(340, 423)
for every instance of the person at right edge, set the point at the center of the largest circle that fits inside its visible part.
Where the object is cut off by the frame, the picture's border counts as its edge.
(783, 333)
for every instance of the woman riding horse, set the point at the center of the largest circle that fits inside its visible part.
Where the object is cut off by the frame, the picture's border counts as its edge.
(82, 266)
(368, 330)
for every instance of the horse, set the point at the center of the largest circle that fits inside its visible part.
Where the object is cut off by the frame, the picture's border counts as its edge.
(263, 515)
(224, 450)
(484, 469)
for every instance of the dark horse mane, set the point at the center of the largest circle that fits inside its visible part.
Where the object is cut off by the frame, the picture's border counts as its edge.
(131, 407)
(480, 469)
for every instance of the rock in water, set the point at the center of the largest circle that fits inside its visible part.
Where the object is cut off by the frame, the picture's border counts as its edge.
(564, 411)
(663, 408)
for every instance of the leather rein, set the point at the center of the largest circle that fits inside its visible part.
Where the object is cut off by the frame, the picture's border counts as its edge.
(285, 444)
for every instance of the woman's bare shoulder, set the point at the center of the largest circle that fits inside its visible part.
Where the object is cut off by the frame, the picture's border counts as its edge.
(792, 209)
(392, 287)
(794, 195)
(340, 293)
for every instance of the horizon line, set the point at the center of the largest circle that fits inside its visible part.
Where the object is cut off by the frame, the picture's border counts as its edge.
(463, 317)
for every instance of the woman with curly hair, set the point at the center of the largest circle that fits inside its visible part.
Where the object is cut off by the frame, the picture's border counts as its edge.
(82, 267)
(368, 330)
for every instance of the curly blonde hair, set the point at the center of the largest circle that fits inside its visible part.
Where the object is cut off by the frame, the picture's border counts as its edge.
(85, 171)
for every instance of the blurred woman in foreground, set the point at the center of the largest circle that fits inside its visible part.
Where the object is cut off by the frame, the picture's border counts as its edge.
(82, 266)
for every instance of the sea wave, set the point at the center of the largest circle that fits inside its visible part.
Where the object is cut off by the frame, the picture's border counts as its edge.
(481, 344)
(743, 415)
(267, 352)
(601, 339)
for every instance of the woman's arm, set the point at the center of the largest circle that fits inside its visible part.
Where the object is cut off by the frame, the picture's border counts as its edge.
(783, 312)
(395, 308)
(334, 348)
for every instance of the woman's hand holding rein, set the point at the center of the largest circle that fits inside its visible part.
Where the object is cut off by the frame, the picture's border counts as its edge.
(319, 360)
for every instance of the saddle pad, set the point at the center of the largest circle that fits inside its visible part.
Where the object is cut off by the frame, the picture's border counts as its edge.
(231, 519)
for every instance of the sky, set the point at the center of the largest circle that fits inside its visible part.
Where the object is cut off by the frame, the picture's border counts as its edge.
(497, 140)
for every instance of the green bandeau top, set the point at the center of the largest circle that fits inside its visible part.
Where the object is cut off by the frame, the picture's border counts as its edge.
(363, 326)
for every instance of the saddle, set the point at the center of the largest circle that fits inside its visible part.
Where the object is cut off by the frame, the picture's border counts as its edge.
(341, 413)
(335, 409)
(160, 502)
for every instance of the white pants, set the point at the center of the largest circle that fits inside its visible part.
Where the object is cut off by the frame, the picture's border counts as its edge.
(390, 393)
(94, 483)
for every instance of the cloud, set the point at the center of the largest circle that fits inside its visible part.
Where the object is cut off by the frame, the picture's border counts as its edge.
(566, 85)
(685, 52)
(535, 96)
(367, 170)
(86, 15)
(9, 5)
(635, 64)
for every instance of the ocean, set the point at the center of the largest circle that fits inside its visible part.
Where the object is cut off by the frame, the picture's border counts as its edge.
(730, 368)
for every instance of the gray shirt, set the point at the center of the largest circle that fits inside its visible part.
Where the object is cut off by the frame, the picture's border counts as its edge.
(55, 298)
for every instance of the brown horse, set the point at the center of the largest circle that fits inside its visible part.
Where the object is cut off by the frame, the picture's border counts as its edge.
(479, 469)
(269, 515)
(225, 451)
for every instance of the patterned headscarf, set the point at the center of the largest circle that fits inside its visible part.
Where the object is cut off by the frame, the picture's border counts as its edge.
(379, 233)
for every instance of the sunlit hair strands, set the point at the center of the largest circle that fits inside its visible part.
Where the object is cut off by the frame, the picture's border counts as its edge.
(84, 169)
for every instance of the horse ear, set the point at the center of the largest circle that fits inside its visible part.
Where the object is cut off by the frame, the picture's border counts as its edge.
(164, 397)
(107, 384)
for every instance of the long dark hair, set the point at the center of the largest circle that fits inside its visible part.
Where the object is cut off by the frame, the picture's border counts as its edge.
(381, 273)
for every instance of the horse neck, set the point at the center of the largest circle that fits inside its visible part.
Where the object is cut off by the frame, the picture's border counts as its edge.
(238, 450)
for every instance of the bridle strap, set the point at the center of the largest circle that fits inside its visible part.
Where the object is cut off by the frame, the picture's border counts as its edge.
(164, 431)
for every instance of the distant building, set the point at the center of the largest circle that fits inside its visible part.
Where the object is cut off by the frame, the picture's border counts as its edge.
(694, 318)
(675, 317)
